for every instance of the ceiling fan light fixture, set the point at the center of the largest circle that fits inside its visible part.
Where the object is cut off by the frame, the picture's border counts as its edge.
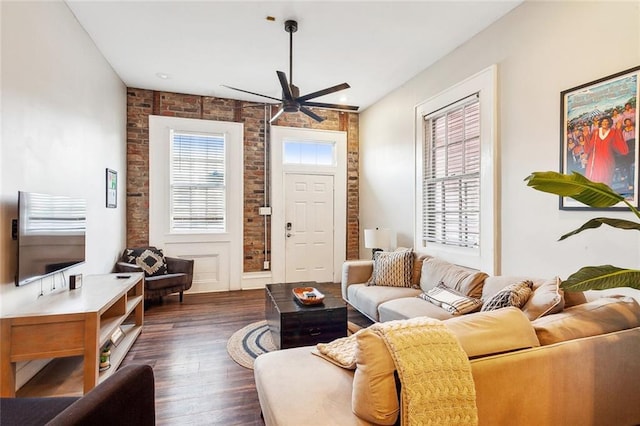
(291, 100)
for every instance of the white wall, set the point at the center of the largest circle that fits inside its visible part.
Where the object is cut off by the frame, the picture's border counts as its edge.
(541, 49)
(63, 123)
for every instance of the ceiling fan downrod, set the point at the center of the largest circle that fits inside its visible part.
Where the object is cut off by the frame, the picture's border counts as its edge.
(291, 27)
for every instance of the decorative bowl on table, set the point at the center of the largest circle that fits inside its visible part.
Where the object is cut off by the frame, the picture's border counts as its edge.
(308, 295)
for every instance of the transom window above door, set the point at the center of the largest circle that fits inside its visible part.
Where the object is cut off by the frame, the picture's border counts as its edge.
(311, 153)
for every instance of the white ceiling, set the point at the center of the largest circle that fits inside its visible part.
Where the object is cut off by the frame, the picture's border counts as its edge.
(375, 46)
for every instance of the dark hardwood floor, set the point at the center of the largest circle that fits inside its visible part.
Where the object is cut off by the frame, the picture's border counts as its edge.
(197, 383)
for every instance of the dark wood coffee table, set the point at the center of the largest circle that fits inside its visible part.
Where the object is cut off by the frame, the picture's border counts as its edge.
(293, 324)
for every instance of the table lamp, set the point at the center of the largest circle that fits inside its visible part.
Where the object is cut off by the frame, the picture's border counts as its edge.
(377, 239)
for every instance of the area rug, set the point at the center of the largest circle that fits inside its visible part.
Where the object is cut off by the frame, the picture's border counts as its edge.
(254, 339)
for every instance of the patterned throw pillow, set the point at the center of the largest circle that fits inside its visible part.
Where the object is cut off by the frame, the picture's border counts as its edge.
(450, 300)
(392, 269)
(512, 295)
(150, 259)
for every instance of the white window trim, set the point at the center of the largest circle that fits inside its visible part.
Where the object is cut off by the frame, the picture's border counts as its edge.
(160, 233)
(487, 256)
(278, 135)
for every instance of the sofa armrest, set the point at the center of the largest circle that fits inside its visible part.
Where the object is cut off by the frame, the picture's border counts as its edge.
(127, 267)
(126, 398)
(177, 265)
(355, 272)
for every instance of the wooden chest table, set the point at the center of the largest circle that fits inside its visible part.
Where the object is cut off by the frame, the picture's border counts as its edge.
(293, 324)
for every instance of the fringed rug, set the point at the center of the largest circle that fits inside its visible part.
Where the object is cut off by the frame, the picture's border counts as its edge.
(254, 339)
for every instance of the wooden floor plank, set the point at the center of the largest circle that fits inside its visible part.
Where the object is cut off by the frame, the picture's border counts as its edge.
(197, 383)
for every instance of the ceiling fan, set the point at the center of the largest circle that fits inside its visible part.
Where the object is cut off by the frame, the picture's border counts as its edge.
(291, 99)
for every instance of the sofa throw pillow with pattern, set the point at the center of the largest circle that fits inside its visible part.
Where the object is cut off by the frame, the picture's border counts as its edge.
(450, 300)
(150, 259)
(392, 269)
(516, 294)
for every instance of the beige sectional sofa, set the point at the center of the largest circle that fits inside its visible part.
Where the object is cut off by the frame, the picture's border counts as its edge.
(579, 365)
(388, 302)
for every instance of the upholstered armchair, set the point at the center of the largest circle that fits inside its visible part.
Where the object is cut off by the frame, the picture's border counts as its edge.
(163, 275)
(125, 398)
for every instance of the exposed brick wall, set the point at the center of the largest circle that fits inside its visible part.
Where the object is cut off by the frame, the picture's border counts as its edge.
(142, 103)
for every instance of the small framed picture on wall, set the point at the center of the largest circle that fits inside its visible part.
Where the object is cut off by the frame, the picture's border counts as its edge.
(599, 134)
(112, 189)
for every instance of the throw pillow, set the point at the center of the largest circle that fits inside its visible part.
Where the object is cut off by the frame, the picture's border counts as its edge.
(392, 269)
(512, 295)
(451, 300)
(547, 298)
(150, 259)
(374, 397)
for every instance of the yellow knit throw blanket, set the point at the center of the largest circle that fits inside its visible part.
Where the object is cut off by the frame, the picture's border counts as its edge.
(437, 385)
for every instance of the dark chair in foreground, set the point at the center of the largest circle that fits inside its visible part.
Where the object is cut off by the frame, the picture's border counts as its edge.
(125, 398)
(163, 275)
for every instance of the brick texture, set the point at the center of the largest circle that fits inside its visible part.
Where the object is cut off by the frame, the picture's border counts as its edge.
(142, 103)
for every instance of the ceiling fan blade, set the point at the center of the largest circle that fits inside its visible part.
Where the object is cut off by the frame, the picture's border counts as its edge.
(331, 106)
(251, 93)
(311, 114)
(286, 89)
(323, 92)
(275, 117)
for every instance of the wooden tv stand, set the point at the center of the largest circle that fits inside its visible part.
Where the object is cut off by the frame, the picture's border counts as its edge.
(73, 323)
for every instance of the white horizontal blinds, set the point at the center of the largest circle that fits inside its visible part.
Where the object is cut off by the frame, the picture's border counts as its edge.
(451, 186)
(54, 214)
(198, 190)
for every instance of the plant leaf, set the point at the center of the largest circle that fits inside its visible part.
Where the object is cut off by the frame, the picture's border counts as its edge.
(601, 278)
(576, 186)
(598, 221)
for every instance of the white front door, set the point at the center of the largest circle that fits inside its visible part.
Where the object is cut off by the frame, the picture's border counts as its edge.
(309, 217)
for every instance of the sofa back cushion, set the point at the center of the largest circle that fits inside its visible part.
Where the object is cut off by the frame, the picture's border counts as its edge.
(419, 258)
(493, 332)
(464, 280)
(600, 316)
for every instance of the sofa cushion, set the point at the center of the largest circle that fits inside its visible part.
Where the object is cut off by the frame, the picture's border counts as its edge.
(573, 298)
(600, 316)
(392, 269)
(493, 332)
(369, 298)
(466, 281)
(374, 397)
(450, 300)
(298, 388)
(410, 307)
(150, 259)
(547, 298)
(512, 295)
(417, 268)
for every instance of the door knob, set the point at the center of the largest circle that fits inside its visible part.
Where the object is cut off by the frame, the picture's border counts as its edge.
(288, 234)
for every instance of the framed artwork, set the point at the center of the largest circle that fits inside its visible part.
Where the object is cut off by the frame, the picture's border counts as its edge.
(599, 134)
(112, 189)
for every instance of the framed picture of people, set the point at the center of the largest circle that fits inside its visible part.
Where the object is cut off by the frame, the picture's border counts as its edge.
(599, 134)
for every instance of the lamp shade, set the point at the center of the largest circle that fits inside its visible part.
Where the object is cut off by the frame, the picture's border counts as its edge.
(377, 238)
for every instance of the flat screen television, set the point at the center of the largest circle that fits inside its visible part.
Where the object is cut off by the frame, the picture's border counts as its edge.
(51, 233)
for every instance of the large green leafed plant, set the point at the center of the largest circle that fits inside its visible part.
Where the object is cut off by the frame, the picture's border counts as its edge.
(597, 195)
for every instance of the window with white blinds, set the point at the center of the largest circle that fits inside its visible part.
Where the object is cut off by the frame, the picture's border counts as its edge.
(198, 189)
(451, 175)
